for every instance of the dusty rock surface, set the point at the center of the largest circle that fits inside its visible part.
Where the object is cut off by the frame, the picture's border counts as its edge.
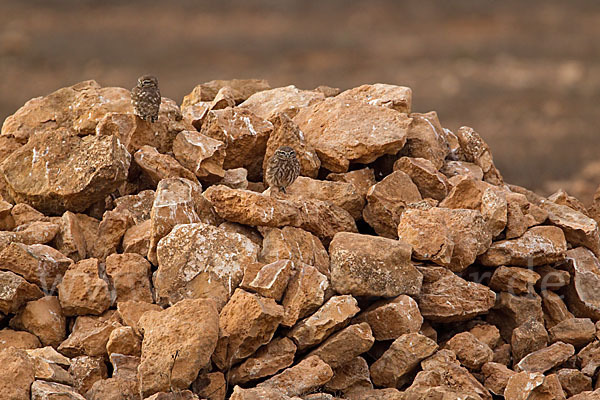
(151, 262)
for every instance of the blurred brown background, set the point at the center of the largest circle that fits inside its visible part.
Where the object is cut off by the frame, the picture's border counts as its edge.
(524, 74)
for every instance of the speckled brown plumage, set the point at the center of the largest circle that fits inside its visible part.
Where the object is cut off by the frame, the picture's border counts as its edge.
(282, 168)
(145, 98)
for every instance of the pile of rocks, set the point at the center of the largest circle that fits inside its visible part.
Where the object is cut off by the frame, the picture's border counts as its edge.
(149, 261)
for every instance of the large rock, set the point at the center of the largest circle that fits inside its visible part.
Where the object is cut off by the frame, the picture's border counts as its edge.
(247, 322)
(452, 238)
(513, 280)
(86, 371)
(393, 368)
(547, 358)
(387, 200)
(397, 98)
(156, 166)
(201, 260)
(268, 360)
(268, 103)
(431, 183)
(333, 315)
(178, 343)
(343, 346)
(389, 319)
(302, 378)
(343, 195)
(90, 335)
(528, 337)
(511, 311)
(201, 154)
(129, 274)
(83, 291)
(38, 263)
(345, 131)
(18, 339)
(249, 208)
(364, 265)
(44, 318)
(576, 331)
(58, 171)
(305, 293)
(579, 229)
(426, 139)
(533, 385)
(582, 293)
(16, 375)
(446, 297)
(470, 351)
(539, 245)
(475, 150)
(131, 311)
(245, 136)
(42, 390)
(270, 280)
(15, 291)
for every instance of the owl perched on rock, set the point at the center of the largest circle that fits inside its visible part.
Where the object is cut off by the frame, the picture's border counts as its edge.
(282, 168)
(145, 98)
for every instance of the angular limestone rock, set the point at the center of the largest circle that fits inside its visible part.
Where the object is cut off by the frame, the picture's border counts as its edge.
(513, 280)
(156, 166)
(15, 291)
(83, 291)
(129, 274)
(424, 174)
(546, 358)
(201, 154)
(576, 331)
(343, 346)
(582, 293)
(89, 335)
(305, 294)
(470, 351)
(364, 265)
(289, 99)
(427, 139)
(475, 150)
(268, 360)
(390, 319)
(44, 318)
(302, 378)
(17, 374)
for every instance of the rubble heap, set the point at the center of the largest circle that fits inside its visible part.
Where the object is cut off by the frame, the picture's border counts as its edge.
(147, 260)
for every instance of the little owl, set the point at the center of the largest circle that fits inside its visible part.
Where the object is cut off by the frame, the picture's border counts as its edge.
(145, 98)
(282, 168)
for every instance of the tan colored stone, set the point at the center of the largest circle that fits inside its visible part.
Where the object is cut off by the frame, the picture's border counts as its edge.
(341, 131)
(16, 375)
(130, 312)
(362, 179)
(123, 340)
(445, 297)
(236, 178)
(111, 230)
(286, 133)
(170, 359)
(452, 238)
(471, 352)
(38, 263)
(589, 358)
(302, 378)
(539, 245)
(341, 194)
(521, 215)
(510, 311)
(258, 393)
(51, 372)
(70, 240)
(551, 278)
(576, 331)
(364, 265)
(83, 291)
(268, 360)
(210, 386)
(58, 171)
(404, 355)
(294, 244)
(242, 88)
(200, 260)
(177, 201)
(534, 386)
(271, 280)
(350, 376)
(547, 358)
(496, 377)
(15, 291)
(563, 198)
(117, 389)
(268, 103)
(89, 335)
(426, 139)
(305, 294)
(23, 213)
(249, 208)
(50, 355)
(129, 274)
(573, 381)
(42, 390)
(18, 339)
(33, 233)
(87, 370)
(343, 346)
(528, 337)
(201, 154)
(137, 238)
(138, 205)
(487, 334)
(462, 168)
(44, 318)
(387, 200)
(513, 280)
(247, 322)
(474, 149)
(390, 319)
(245, 136)
(555, 309)
(502, 354)
(156, 166)
(582, 293)
(89, 228)
(579, 229)
(425, 176)
(379, 94)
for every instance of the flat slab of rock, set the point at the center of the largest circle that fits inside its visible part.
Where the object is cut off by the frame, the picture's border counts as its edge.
(579, 229)
(250, 208)
(302, 378)
(390, 319)
(59, 171)
(344, 131)
(41, 390)
(446, 297)
(452, 238)
(363, 265)
(539, 245)
(576, 331)
(397, 98)
(402, 358)
(268, 360)
(170, 359)
(345, 345)
(289, 99)
(546, 358)
(201, 260)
